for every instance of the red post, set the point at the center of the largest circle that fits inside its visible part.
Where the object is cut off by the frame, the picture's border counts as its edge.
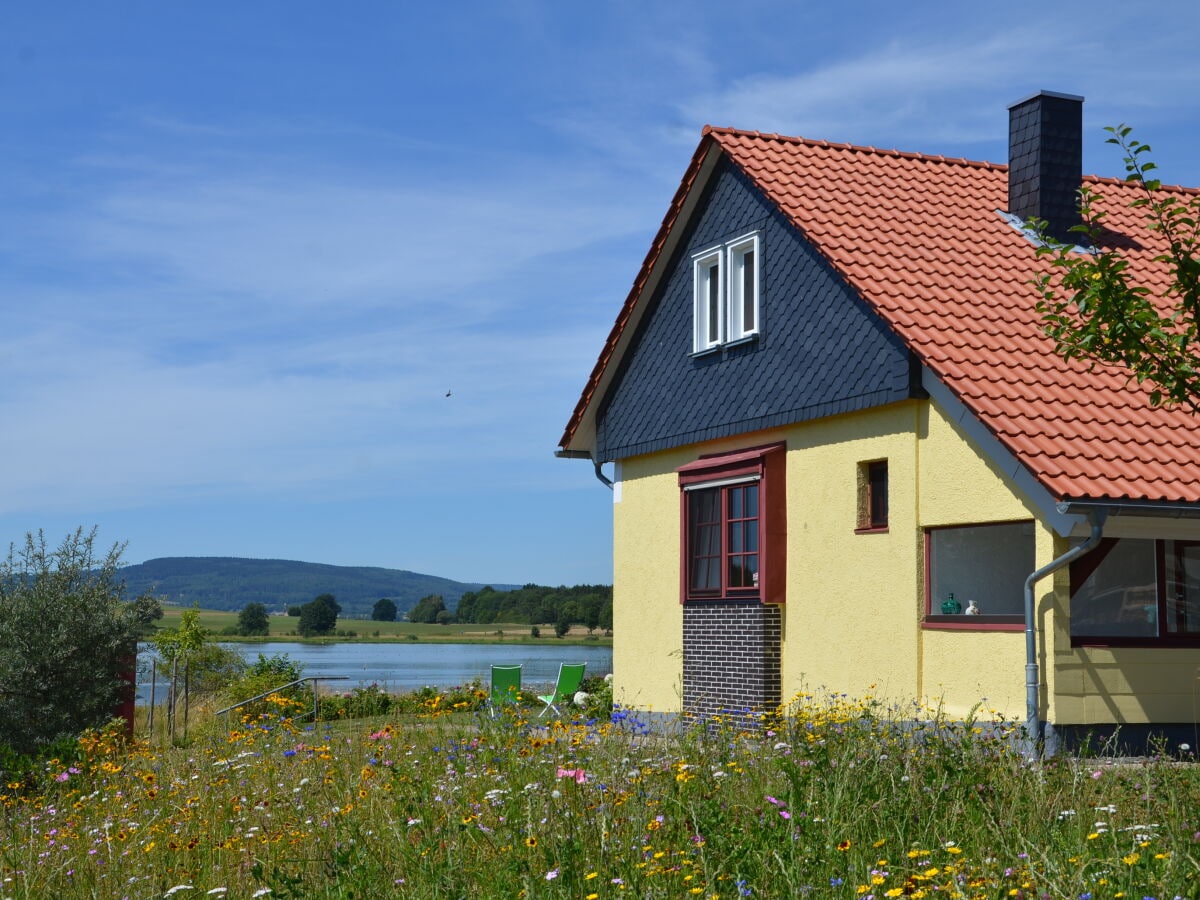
(127, 697)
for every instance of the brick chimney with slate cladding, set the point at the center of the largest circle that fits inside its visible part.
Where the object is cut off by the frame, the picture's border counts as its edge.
(1045, 160)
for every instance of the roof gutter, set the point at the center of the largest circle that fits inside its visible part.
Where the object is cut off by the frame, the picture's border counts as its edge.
(1033, 722)
(584, 454)
(1135, 508)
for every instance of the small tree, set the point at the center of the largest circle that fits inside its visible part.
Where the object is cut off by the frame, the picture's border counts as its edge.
(384, 610)
(253, 620)
(562, 626)
(65, 636)
(427, 609)
(179, 647)
(318, 616)
(183, 642)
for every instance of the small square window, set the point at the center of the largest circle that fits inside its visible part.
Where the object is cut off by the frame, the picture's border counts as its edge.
(873, 495)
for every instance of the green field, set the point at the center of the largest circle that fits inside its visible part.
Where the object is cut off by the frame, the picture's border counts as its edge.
(283, 628)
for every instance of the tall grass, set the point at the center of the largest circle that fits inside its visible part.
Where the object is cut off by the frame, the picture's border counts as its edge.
(830, 798)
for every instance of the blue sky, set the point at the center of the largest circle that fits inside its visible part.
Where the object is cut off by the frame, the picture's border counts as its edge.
(246, 249)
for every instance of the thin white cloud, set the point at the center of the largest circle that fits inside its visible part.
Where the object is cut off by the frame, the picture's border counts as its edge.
(950, 87)
(292, 241)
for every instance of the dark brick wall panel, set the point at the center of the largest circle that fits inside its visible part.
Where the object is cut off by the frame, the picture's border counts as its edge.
(731, 658)
(822, 350)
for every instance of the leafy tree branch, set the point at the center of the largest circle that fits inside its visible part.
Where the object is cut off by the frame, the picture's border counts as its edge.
(1093, 307)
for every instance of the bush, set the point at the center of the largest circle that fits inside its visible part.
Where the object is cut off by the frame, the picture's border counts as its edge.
(211, 669)
(599, 704)
(265, 674)
(65, 639)
(372, 700)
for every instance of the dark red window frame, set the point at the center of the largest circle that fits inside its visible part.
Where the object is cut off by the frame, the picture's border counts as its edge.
(744, 531)
(933, 620)
(1082, 568)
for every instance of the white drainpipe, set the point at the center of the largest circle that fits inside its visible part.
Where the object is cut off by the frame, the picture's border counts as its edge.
(1033, 722)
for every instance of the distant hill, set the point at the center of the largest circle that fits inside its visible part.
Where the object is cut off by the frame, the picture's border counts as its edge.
(229, 583)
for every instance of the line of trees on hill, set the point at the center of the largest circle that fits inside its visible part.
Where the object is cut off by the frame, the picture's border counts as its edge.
(589, 605)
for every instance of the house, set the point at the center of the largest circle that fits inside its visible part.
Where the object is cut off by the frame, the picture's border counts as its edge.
(846, 456)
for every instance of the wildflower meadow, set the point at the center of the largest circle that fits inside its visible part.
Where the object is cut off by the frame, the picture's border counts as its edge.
(826, 798)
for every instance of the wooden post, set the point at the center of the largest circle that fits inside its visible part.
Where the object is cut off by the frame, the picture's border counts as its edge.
(187, 696)
(171, 701)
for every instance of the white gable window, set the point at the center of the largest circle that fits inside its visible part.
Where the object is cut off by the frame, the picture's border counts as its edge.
(743, 288)
(726, 285)
(710, 299)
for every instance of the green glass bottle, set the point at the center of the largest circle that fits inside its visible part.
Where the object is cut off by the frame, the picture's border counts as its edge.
(951, 607)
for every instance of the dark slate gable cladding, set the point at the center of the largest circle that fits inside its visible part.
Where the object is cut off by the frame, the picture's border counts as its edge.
(822, 351)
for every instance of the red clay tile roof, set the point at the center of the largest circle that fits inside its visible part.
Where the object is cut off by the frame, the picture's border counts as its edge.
(920, 239)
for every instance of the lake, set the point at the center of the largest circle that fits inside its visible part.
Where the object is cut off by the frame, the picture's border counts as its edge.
(407, 666)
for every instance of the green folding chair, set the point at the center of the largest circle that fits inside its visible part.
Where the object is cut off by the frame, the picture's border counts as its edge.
(570, 677)
(506, 686)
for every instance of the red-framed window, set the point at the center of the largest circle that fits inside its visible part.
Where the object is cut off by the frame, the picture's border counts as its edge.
(733, 523)
(1137, 592)
(975, 574)
(873, 496)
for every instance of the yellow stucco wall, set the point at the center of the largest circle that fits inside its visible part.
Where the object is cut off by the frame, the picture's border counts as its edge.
(852, 620)
(647, 616)
(850, 617)
(958, 485)
(855, 601)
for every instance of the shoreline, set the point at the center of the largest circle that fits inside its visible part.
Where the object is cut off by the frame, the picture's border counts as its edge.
(404, 640)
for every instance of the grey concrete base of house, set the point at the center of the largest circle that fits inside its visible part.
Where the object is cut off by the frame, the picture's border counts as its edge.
(1178, 739)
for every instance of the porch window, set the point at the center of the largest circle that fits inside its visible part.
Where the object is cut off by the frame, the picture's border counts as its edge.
(976, 573)
(733, 526)
(1130, 591)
